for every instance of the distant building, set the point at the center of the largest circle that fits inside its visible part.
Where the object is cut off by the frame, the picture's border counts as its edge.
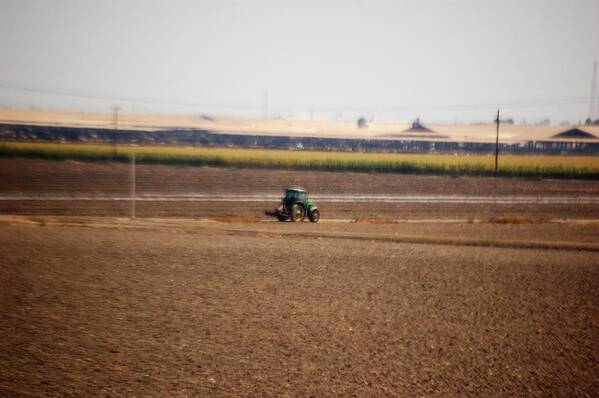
(575, 133)
(417, 127)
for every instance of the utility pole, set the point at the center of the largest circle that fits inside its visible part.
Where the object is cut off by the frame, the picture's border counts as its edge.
(497, 144)
(115, 114)
(266, 103)
(115, 110)
(593, 105)
(132, 178)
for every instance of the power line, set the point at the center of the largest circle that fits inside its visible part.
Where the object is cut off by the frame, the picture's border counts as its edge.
(410, 107)
(480, 106)
(130, 100)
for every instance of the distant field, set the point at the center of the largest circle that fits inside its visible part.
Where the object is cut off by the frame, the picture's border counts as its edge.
(509, 165)
(294, 127)
(334, 161)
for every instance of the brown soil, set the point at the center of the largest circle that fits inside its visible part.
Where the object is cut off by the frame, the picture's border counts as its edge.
(235, 307)
(218, 309)
(72, 178)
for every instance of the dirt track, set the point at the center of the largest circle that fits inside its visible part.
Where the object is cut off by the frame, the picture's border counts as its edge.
(211, 310)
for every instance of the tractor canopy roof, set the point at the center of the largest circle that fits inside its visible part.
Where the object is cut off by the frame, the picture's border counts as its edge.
(295, 189)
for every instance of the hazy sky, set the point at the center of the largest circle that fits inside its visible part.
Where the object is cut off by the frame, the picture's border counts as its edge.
(441, 60)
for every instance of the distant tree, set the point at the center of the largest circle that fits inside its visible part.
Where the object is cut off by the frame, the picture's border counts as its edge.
(362, 123)
(543, 122)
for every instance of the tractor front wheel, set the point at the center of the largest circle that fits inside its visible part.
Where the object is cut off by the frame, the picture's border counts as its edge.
(297, 213)
(314, 215)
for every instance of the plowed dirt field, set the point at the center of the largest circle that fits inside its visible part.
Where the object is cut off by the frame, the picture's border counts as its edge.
(75, 180)
(211, 300)
(220, 309)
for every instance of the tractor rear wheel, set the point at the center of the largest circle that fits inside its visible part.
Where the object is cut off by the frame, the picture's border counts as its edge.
(314, 215)
(297, 213)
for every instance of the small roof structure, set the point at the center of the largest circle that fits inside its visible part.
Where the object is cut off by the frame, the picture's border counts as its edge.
(418, 127)
(575, 133)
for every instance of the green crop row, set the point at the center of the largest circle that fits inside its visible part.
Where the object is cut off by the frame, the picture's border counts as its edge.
(583, 167)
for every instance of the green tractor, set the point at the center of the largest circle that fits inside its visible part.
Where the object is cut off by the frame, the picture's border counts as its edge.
(296, 206)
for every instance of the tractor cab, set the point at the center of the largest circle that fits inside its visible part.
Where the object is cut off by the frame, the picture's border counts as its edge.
(296, 195)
